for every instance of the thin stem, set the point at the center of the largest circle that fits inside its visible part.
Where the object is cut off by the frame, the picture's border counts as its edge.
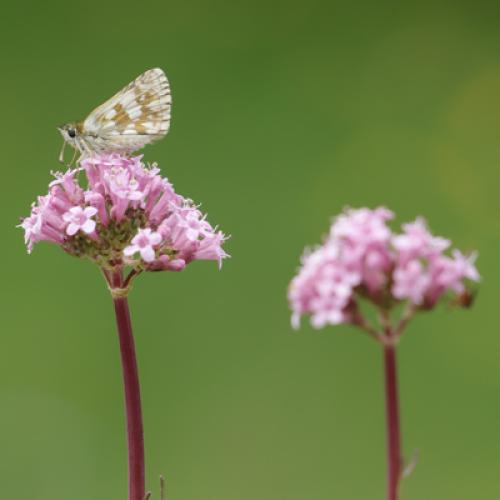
(135, 436)
(131, 275)
(394, 461)
(407, 315)
(359, 320)
(385, 321)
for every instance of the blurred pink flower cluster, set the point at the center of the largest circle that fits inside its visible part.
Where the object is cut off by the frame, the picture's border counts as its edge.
(363, 258)
(116, 211)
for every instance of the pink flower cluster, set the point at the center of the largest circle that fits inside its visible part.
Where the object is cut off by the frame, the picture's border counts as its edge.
(362, 257)
(122, 213)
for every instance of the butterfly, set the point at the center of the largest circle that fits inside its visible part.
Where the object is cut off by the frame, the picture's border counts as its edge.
(137, 115)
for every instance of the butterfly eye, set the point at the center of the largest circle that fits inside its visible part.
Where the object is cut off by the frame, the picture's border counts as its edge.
(72, 133)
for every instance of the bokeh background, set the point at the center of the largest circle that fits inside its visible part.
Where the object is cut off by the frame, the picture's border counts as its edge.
(284, 112)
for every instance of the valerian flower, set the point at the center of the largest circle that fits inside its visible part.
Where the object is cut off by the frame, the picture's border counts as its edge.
(80, 219)
(116, 211)
(144, 242)
(362, 258)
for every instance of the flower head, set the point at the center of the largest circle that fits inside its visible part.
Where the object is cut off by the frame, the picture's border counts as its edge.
(116, 211)
(363, 258)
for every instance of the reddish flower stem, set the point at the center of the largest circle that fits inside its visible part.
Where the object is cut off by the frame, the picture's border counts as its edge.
(394, 460)
(135, 436)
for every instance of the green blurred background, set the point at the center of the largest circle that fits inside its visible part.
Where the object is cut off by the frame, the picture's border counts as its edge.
(284, 112)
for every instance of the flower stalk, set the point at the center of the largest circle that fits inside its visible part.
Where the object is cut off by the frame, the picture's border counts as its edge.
(363, 261)
(135, 434)
(394, 460)
(119, 213)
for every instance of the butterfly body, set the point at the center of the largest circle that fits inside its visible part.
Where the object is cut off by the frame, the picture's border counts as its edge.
(136, 116)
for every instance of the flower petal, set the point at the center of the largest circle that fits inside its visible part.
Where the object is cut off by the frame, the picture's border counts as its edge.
(148, 254)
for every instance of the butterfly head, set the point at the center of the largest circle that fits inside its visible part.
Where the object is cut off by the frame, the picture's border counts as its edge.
(70, 132)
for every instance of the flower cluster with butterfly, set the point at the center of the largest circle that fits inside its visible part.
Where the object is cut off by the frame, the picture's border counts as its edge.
(116, 211)
(363, 259)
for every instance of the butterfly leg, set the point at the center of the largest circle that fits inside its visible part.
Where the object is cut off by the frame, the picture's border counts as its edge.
(85, 150)
(61, 154)
(73, 159)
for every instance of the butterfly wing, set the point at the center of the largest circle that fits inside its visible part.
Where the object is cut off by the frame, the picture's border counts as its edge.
(137, 115)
